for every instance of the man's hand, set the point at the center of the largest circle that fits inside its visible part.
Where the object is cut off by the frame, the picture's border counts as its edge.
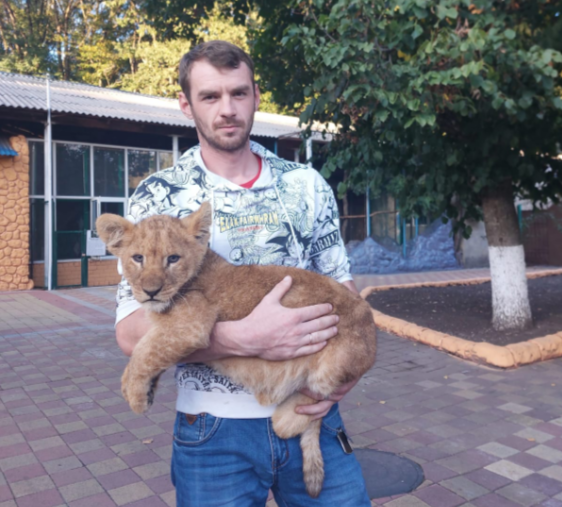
(275, 332)
(320, 409)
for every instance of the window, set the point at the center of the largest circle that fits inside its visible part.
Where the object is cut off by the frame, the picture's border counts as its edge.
(37, 226)
(116, 208)
(141, 165)
(101, 207)
(165, 159)
(73, 169)
(37, 168)
(71, 220)
(109, 172)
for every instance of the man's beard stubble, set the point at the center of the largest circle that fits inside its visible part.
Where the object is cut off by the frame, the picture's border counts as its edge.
(229, 144)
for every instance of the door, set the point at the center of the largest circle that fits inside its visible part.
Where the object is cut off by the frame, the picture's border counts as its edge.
(70, 264)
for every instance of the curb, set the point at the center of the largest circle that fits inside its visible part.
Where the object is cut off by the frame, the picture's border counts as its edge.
(509, 356)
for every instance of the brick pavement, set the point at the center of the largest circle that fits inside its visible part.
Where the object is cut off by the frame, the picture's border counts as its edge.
(485, 438)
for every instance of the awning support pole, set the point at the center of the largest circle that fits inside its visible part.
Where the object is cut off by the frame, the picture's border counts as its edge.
(48, 136)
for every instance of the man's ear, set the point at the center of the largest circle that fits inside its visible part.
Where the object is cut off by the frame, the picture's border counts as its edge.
(199, 223)
(113, 231)
(185, 106)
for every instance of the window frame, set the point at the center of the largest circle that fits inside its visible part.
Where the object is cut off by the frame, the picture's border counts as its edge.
(92, 197)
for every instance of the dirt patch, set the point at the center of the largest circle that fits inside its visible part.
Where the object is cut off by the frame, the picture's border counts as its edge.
(466, 311)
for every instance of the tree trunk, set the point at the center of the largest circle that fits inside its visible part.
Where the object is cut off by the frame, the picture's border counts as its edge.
(510, 297)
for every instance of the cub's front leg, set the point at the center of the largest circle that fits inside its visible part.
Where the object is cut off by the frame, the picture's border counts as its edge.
(170, 340)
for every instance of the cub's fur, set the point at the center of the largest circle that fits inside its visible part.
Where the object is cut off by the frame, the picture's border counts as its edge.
(187, 288)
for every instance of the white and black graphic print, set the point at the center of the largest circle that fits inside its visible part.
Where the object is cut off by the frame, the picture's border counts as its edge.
(250, 226)
(200, 377)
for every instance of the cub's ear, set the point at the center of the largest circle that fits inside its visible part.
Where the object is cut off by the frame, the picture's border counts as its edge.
(199, 223)
(113, 230)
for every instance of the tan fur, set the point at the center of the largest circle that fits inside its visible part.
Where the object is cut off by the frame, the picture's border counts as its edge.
(201, 289)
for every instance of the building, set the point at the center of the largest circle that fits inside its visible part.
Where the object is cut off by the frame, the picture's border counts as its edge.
(69, 152)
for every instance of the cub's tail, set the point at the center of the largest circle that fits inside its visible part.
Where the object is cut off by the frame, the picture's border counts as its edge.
(312, 462)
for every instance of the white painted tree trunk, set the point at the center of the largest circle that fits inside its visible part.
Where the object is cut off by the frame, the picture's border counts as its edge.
(510, 296)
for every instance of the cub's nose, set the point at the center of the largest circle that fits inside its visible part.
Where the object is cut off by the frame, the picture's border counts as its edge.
(152, 293)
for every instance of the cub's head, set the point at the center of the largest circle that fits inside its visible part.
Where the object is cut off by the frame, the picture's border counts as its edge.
(159, 254)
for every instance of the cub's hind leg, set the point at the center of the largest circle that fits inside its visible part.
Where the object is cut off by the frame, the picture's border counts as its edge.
(286, 422)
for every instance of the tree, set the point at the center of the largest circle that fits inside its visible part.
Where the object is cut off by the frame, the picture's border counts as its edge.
(236, 21)
(452, 104)
(38, 36)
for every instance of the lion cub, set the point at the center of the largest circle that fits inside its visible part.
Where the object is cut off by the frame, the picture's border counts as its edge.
(187, 288)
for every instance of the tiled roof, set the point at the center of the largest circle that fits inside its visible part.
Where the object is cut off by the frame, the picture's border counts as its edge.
(28, 92)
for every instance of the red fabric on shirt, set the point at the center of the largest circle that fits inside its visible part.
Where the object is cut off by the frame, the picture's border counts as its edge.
(250, 183)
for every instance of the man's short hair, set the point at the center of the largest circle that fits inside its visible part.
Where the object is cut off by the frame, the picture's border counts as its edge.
(219, 54)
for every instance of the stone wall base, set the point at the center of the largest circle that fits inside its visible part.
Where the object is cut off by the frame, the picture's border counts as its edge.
(100, 273)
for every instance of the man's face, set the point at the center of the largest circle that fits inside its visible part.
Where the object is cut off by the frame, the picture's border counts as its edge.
(222, 105)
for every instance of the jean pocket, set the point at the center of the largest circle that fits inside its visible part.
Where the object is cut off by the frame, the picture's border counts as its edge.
(193, 430)
(332, 421)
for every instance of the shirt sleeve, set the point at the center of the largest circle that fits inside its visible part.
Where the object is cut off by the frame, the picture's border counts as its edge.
(328, 255)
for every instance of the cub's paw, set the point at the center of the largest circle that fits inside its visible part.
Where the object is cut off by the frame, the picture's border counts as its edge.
(139, 392)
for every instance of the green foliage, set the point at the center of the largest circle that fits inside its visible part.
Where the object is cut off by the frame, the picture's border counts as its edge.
(435, 101)
(133, 45)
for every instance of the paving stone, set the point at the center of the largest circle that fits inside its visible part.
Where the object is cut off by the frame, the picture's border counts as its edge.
(170, 500)
(437, 495)
(46, 443)
(554, 472)
(521, 495)
(108, 466)
(546, 453)
(534, 434)
(499, 450)
(152, 470)
(495, 501)
(130, 493)
(17, 461)
(508, 469)
(62, 465)
(30, 486)
(464, 487)
(79, 490)
(407, 501)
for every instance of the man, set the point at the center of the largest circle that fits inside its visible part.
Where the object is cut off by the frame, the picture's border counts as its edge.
(268, 211)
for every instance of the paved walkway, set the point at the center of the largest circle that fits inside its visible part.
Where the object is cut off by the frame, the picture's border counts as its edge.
(485, 438)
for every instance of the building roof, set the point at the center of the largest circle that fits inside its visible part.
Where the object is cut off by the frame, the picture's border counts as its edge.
(6, 149)
(29, 92)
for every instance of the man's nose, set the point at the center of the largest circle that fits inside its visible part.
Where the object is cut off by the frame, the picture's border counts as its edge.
(227, 107)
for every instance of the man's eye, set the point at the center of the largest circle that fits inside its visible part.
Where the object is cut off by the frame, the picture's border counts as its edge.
(172, 259)
(137, 258)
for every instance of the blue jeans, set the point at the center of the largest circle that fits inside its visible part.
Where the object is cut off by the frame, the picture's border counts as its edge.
(234, 462)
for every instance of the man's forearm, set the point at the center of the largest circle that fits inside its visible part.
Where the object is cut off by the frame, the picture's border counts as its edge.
(223, 344)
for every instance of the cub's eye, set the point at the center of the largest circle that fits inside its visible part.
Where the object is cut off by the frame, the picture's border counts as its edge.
(172, 259)
(137, 258)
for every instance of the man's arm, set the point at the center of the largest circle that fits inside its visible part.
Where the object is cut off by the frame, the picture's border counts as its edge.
(271, 331)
